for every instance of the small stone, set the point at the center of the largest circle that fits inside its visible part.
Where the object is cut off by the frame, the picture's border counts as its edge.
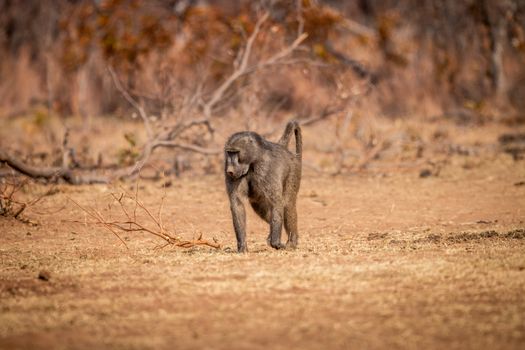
(425, 173)
(44, 275)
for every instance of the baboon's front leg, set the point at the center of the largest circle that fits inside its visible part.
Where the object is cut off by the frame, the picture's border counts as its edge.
(276, 226)
(239, 223)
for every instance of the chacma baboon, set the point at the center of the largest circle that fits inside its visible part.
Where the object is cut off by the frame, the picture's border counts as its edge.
(269, 176)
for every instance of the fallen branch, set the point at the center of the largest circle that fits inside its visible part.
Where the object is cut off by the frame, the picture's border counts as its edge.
(131, 224)
(74, 177)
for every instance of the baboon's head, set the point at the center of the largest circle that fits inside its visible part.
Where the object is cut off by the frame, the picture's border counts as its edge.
(240, 152)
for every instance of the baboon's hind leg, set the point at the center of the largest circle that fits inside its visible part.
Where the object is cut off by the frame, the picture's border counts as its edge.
(290, 225)
(276, 226)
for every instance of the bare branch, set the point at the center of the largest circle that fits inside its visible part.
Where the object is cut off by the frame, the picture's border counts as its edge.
(358, 28)
(187, 147)
(244, 68)
(238, 72)
(99, 219)
(300, 18)
(177, 129)
(168, 136)
(370, 155)
(282, 54)
(131, 101)
(29, 170)
(327, 112)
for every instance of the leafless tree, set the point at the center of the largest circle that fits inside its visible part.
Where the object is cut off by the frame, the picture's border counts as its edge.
(168, 134)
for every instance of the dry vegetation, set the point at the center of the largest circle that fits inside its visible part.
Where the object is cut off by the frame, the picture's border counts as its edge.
(387, 259)
(411, 209)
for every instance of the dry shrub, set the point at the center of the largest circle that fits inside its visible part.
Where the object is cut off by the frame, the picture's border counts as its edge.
(9, 204)
(14, 199)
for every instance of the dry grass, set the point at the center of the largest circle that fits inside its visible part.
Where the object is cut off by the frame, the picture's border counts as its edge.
(383, 262)
(386, 259)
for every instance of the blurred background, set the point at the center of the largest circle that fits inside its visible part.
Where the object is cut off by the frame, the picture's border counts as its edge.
(378, 85)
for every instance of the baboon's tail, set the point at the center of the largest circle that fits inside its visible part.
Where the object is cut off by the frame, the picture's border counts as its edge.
(293, 126)
(298, 142)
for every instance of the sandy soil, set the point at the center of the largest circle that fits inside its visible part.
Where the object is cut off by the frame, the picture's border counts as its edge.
(392, 261)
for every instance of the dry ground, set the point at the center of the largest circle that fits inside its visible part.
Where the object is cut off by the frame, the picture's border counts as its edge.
(391, 261)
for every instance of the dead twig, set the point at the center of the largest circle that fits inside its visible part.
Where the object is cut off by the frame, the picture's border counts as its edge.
(132, 224)
(99, 219)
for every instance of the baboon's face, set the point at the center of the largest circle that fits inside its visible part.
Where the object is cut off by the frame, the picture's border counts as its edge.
(240, 152)
(235, 165)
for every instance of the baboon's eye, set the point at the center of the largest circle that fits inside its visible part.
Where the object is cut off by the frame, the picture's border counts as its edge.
(233, 156)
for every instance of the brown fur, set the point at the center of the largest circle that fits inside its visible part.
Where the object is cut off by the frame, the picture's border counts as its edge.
(269, 176)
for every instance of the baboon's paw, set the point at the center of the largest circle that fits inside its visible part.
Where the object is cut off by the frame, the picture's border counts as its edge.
(291, 245)
(277, 245)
